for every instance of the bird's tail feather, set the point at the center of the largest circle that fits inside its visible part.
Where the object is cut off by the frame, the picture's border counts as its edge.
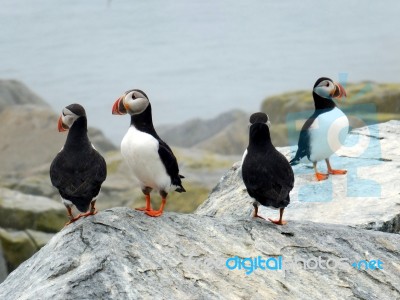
(180, 189)
(82, 207)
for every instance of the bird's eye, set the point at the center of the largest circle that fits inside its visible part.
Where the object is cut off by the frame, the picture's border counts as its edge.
(327, 84)
(133, 96)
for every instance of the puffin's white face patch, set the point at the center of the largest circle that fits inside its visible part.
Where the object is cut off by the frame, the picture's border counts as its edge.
(68, 117)
(325, 89)
(136, 105)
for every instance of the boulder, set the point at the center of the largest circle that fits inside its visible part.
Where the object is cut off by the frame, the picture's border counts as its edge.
(26, 224)
(20, 211)
(28, 130)
(224, 134)
(124, 254)
(14, 92)
(3, 266)
(18, 246)
(29, 138)
(367, 197)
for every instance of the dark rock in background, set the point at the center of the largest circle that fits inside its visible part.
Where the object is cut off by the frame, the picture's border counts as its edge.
(224, 134)
(14, 92)
(3, 266)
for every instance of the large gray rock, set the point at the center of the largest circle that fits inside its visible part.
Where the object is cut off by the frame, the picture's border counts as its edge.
(368, 196)
(123, 254)
(29, 138)
(28, 130)
(223, 134)
(14, 92)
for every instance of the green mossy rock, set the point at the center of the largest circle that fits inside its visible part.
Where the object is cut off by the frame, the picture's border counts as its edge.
(18, 246)
(384, 98)
(21, 211)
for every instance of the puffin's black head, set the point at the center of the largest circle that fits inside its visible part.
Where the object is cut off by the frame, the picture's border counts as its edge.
(259, 129)
(69, 115)
(133, 102)
(259, 117)
(326, 89)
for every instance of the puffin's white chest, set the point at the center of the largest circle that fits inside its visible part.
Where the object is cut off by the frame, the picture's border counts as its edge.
(140, 151)
(327, 134)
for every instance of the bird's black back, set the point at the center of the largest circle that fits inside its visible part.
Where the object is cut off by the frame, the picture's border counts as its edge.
(266, 173)
(78, 170)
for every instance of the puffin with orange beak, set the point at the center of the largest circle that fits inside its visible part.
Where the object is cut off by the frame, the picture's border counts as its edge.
(151, 160)
(325, 130)
(78, 170)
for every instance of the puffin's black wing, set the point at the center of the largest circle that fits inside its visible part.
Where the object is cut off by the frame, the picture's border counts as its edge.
(268, 178)
(78, 180)
(285, 171)
(171, 165)
(304, 141)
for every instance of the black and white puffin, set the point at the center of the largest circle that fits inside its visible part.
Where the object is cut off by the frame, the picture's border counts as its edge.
(78, 170)
(325, 130)
(151, 160)
(266, 172)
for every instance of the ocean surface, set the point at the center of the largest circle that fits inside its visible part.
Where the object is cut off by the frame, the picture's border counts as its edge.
(194, 59)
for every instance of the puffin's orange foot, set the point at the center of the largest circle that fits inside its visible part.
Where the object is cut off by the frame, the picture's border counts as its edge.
(89, 213)
(337, 172)
(143, 209)
(72, 220)
(278, 222)
(258, 216)
(154, 213)
(321, 176)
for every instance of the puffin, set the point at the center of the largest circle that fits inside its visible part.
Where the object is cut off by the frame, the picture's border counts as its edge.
(150, 159)
(266, 172)
(78, 170)
(325, 130)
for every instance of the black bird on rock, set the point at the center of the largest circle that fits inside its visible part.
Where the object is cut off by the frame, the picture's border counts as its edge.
(78, 170)
(266, 172)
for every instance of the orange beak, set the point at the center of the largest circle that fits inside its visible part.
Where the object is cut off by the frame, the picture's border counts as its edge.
(339, 91)
(116, 107)
(61, 127)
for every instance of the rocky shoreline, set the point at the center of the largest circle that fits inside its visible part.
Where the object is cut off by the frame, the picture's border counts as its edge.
(29, 142)
(327, 218)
